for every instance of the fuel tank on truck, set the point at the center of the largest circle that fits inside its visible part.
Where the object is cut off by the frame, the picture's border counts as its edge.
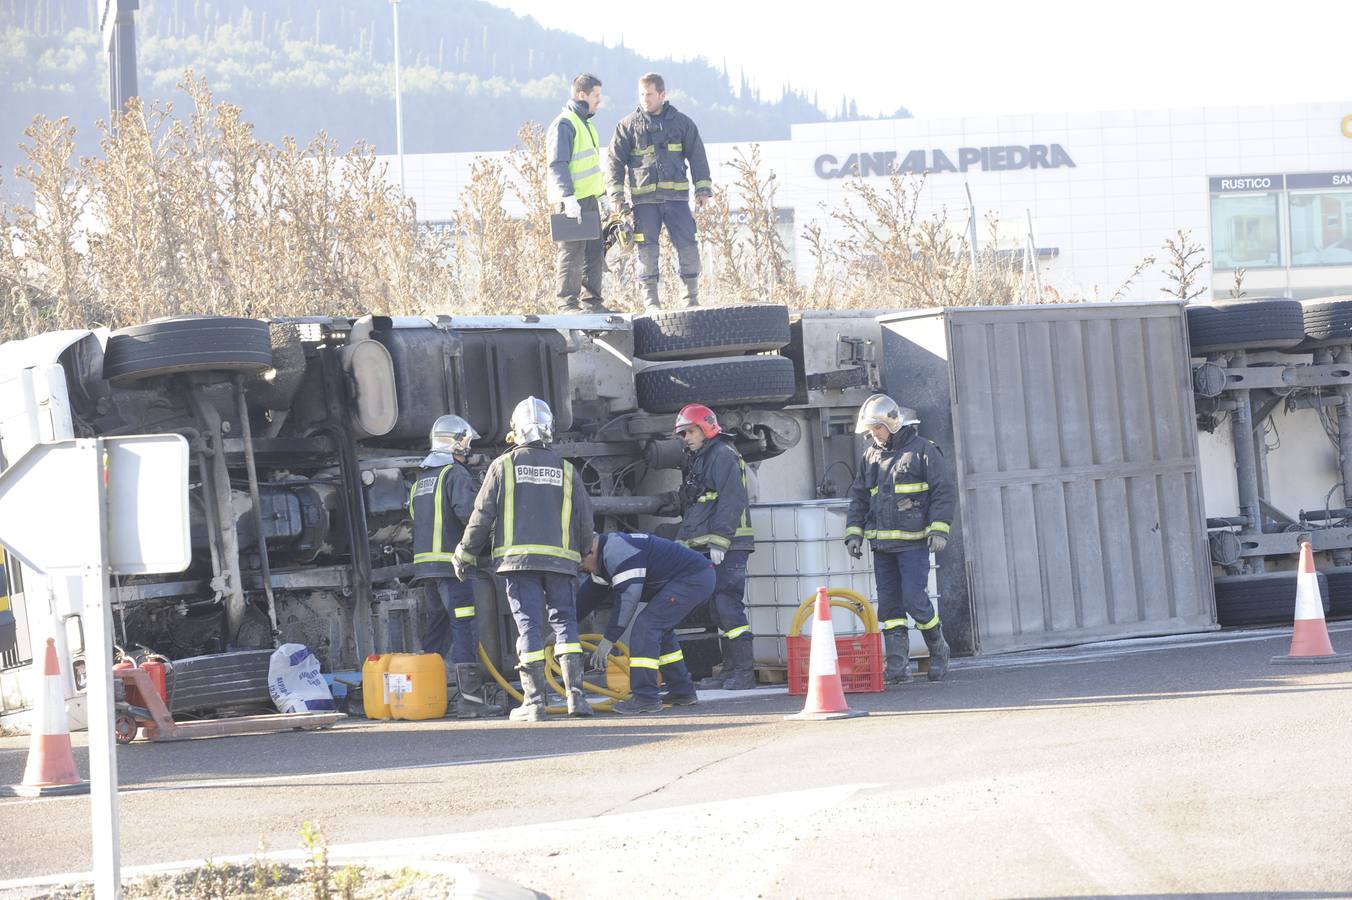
(480, 375)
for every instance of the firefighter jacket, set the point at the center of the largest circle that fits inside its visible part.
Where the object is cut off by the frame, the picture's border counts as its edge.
(574, 155)
(715, 509)
(636, 567)
(440, 503)
(534, 510)
(902, 493)
(654, 151)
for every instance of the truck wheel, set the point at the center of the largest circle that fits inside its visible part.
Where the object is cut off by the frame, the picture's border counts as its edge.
(746, 380)
(710, 331)
(1267, 599)
(1328, 320)
(124, 727)
(173, 346)
(1268, 324)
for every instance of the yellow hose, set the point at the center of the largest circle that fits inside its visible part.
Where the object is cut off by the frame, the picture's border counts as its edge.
(844, 598)
(553, 674)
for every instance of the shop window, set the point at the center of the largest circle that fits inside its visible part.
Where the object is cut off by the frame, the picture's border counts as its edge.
(1244, 231)
(1321, 229)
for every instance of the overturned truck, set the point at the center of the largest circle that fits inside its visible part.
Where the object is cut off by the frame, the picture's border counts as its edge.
(306, 434)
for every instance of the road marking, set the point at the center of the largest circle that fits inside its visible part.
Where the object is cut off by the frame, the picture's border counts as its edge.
(264, 779)
(642, 828)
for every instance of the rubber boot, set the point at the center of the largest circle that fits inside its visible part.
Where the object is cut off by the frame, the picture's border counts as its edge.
(571, 664)
(636, 706)
(897, 648)
(743, 676)
(715, 681)
(532, 708)
(938, 650)
(569, 306)
(594, 308)
(652, 298)
(472, 702)
(691, 290)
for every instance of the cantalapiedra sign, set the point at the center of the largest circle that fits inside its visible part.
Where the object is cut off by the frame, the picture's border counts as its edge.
(1004, 158)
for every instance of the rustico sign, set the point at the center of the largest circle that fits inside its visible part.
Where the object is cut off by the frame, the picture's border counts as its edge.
(986, 159)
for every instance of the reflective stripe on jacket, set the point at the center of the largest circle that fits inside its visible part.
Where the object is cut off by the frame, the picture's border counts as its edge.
(715, 508)
(582, 177)
(440, 503)
(654, 151)
(534, 509)
(902, 493)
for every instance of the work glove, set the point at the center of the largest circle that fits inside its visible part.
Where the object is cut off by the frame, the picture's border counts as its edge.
(854, 545)
(571, 208)
(460, 567)
(601, 654)
(937, 543)
(619, 204)
(716, 556)
(669, 504)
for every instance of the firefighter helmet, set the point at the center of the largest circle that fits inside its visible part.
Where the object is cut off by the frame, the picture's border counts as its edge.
(532, 421)
(451, 434)
(881, 409)
(618, 235)
(698, 414)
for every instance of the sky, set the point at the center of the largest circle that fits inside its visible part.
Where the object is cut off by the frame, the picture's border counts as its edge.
(981, 57)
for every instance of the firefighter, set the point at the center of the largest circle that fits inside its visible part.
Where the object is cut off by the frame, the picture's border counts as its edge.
(534, 512)
(440, 503)
(716, 521)
(653, 145)
(672, 580)
(902, 500)
(576, 185)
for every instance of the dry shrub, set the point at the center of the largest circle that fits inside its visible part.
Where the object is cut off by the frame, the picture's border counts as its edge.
(197, 216)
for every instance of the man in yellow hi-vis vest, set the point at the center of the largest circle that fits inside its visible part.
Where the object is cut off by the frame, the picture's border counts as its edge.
(575, 186)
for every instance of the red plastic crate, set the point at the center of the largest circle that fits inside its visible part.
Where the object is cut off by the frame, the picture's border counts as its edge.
(859, 659)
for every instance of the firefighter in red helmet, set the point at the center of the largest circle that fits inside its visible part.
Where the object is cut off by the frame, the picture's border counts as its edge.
(716, 521)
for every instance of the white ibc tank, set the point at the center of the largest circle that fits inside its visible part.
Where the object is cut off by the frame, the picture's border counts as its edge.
(800, 546)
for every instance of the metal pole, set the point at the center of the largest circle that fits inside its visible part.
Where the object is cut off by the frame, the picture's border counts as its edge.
(1246, 464)
(971, 239)
(1032, 257)
(398, 101)
(119, 41)
(264, 565)
(99, 698)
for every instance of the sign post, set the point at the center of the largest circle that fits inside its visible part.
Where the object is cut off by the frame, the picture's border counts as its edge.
(89, 507)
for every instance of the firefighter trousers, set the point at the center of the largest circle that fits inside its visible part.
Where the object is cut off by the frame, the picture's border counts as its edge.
(451, 626)
(537, 598)
(652, 641)
(903, 579)
(729, 604)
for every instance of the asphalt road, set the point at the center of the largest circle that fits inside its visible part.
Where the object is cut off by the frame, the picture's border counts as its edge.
(1136, 768)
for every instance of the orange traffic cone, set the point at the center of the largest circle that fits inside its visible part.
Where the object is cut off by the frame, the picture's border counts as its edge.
(825, 693)
(51, 764)
(1310, 637)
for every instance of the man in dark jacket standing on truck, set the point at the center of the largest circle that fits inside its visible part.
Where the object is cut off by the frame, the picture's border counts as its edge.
(716, 521)
(440, 502)
(575, 185)
(653, 145)
(902, 500)
(534, 511)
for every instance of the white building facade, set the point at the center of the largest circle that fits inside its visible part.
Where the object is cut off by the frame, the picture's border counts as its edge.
(1265, 189)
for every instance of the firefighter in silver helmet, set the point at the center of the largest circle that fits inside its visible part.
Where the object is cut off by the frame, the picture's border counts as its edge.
(534, 514)
(440, 503)
(902, 500)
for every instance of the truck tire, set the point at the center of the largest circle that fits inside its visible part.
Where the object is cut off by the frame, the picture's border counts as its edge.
(706, 332)
(1328, 320)
(1339, 597)
(189, 344)
(746, 380)
(1267, 599)
(1268, 324)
